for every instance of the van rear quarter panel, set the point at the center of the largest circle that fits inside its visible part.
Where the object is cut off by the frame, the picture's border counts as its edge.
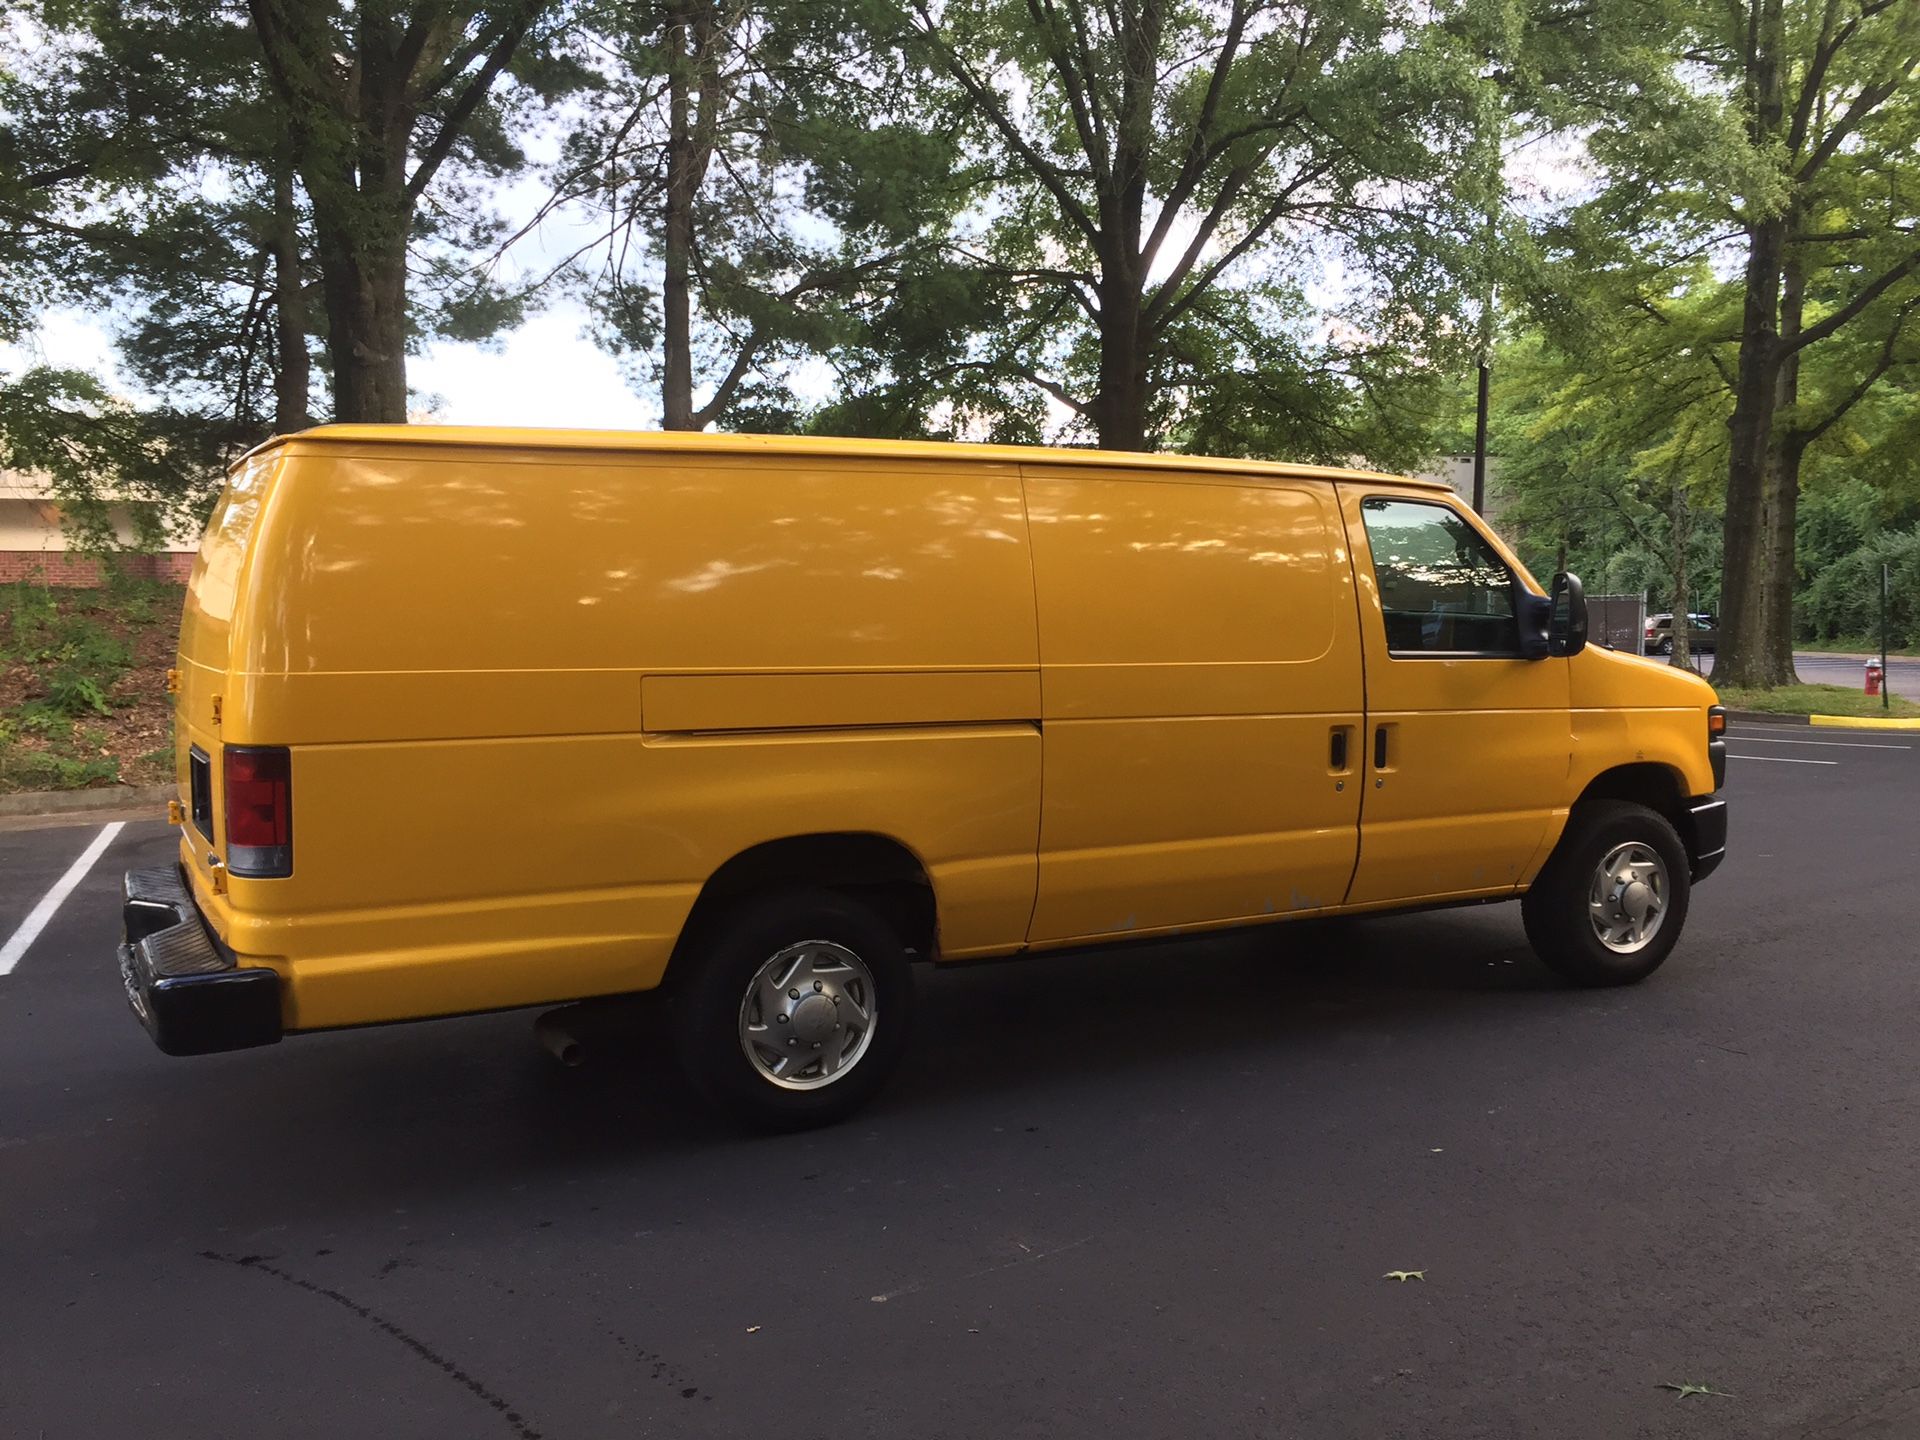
(208, 617)
(537, 698)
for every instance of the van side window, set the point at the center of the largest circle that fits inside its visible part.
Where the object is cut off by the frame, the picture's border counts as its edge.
(1443, 589)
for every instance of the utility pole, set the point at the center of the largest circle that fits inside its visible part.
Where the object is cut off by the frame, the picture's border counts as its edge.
(1480, 441)
(1486, 374)
(1886, 692)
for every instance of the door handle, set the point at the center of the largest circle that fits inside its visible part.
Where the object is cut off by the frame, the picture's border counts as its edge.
(1337, 759)
(1380, 747)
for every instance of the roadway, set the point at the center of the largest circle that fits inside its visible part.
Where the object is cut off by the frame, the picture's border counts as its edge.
(1147, 1194)
(1847, 670)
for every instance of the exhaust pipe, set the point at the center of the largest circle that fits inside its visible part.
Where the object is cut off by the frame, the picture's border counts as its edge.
(554, 1030)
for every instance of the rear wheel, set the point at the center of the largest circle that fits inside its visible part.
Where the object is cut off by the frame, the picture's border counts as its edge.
(1665, 647)
(1608, 906)
(793, 1009)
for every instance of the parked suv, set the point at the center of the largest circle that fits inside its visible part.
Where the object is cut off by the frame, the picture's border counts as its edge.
(1700, 633)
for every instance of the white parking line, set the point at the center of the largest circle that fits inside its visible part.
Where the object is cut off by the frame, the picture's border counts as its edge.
(1832, 744)
(36, 921)
(1781, 759)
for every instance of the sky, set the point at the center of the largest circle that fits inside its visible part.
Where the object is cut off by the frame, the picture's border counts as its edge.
(547, 372)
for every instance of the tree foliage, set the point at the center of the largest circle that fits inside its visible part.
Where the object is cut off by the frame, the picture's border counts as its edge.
(1167, 196)
(754, 180)
(1777, 139)
(1234, 226)
(379, 100)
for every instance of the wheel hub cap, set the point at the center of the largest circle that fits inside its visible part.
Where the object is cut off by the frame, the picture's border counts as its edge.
(1636, 899)
(813, 1019)
(1628, 898)
(808, 1015)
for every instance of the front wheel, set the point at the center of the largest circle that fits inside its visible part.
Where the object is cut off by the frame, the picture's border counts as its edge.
(1608, 905)
(794, 1008)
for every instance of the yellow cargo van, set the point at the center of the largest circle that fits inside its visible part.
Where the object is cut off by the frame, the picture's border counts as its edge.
(471, 719)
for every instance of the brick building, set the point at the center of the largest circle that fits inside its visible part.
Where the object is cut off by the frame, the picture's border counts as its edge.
(35, 546)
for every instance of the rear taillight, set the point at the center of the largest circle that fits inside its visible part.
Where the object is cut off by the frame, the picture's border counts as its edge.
(259, 810)
(1650, 628)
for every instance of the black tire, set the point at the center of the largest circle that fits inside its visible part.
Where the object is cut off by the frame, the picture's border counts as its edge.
(1665, 647)
(1555, 910)
(717, 968)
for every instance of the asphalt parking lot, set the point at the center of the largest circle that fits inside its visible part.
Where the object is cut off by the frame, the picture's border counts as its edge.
(1146, 1194)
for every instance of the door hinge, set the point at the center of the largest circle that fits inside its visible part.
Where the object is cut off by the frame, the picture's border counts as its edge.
(217, 873)
(216, 709)
(176, 814)
(173, 682)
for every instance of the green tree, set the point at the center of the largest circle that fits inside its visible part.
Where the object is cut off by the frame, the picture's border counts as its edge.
(378, 98)
(1157, 185)
(753, 180)
(131, 183)
(1612, 455)
(1783, 137)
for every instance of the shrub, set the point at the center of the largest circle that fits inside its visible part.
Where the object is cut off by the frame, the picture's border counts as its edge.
(73, 692)
(39, 770)
(29, 611)
(1843, 597)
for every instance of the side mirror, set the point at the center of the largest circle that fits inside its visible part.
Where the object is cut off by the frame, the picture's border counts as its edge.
(1535, 615)
(1567, 632)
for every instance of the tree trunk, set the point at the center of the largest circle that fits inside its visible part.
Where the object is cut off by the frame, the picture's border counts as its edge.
(293, 375)
(1120, 409)
(676, 385)
(1749, 649)
(695, 95)
(1783, 476)
(365, 288)
(1743, 592)
(1679, 538)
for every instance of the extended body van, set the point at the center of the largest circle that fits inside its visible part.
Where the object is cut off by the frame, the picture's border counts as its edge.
(476, 719)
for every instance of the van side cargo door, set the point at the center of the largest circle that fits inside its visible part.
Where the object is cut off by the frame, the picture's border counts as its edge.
(1201, 694)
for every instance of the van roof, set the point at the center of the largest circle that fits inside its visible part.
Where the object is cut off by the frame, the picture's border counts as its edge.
(702, 443)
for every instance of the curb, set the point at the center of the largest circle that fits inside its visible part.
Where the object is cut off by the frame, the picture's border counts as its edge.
(1836, 722)
(1860, 722)
(78, 802)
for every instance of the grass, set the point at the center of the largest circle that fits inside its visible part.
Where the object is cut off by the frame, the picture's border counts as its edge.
(82, 682)
(1816, 700)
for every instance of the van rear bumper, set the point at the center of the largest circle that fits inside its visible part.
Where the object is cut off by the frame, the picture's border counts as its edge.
(188, 991)
(1707, 845)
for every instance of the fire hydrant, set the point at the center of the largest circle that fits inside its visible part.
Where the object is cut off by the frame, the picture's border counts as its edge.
(1875, 676)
